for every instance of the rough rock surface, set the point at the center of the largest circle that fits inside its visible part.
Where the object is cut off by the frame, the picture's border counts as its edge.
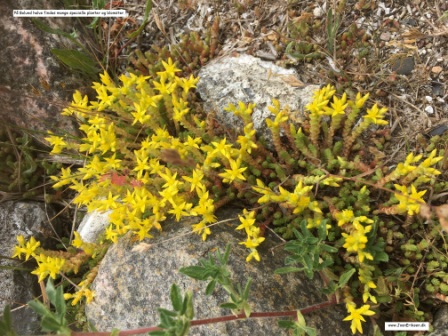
(441, 322)
(34, 87)
(17, 287)
(132, 284)
(251, 80)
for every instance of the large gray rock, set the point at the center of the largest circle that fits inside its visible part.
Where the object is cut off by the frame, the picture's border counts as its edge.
(132, 284)
(18, 287)
(34, 86)
(229, 80)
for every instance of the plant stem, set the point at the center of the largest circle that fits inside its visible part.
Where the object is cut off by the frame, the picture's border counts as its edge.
(226, 318)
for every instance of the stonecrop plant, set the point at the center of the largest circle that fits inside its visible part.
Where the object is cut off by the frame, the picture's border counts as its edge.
(150, 155)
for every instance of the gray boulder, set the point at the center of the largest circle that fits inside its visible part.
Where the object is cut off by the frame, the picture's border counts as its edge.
(133, 282)
(251, 80)
(19, 286)
(34, 87)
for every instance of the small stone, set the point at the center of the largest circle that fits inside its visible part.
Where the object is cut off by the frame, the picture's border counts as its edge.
(385, 36)
(403, 66)
(429, 109)
(428, 99)
(436, 69)
(318, 12)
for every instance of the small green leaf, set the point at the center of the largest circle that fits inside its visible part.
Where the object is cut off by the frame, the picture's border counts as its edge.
(298, 235)
(226, 254)
(210, 287)
(166, 321)
(195, 272)
(115, 332)
(76, 60)
(285, 270)
(381, 257)
(157, 333)
(184, 329)
(44, 27)
(345, 277)
(247, 309)
(300, 319)
(286, 324)
(330, 289)
(307, 262)
(6, 323)
(176, 297)
(39, 307)
(326, 263)
(51, 323)
(166, 312)
(328, 248)
(51, 291)
(245, 294)
(187, 305)
(377, 331)
(145, 20)
(229, 305)
(60, 304)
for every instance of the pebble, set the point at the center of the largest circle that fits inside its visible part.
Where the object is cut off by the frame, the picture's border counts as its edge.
(385, 36)
(403, 66)
(318, 12)
(429, 109)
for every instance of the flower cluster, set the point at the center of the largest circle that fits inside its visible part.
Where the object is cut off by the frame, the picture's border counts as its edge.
(142, 151)
(52, 263)
(149, 155)
(412, 171)
(356, 239)
(253, 234)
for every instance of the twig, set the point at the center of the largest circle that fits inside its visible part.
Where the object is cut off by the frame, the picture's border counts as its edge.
(226, 318)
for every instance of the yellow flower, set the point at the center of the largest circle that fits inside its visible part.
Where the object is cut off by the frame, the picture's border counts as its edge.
(252, 242)
(162, 86)
(356, 316)
(222, 148)
(253, 254)
(409, 203)
(202, 229)
(111, 234)
(170, 68)
(57, 142)
(196, 180)
(180, 210)
(234, 173)
(77, 242)
(338, 106)
(267, 193)
(375, 115)
(83, 292)
(344, 217)
(66, 178)
(79, 103)
(187, 84)
(48, 266)
(141, 166)
(27, 248)
(247, 220)
(356, 241)
(360, 101)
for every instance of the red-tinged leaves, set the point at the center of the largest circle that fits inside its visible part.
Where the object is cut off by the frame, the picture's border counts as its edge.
(118, 180)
